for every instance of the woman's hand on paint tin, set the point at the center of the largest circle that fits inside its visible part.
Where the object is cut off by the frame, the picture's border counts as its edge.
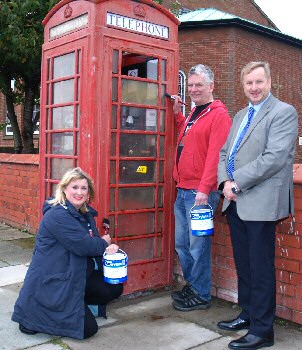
(112, 248)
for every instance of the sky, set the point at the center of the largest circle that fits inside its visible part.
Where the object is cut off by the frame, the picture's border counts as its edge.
(285, 14)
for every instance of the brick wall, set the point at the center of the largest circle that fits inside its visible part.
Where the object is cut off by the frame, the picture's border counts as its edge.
(226, 50)
(288, 262)
(19, 195)
(19, 207)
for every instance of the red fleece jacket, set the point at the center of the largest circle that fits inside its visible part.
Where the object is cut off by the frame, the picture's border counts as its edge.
(198, 163)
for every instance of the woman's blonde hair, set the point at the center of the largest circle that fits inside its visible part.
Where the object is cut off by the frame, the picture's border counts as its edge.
(72, 175)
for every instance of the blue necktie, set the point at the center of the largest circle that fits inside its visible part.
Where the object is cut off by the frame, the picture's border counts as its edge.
(231, 162)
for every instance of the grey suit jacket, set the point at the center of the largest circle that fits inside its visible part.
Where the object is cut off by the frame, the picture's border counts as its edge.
(264, 162)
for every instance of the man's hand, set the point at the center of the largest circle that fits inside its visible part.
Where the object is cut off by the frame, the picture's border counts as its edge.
(227, 191)
(201, 198)
(176, 103)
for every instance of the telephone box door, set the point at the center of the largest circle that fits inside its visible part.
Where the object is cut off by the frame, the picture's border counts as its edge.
(141, 160)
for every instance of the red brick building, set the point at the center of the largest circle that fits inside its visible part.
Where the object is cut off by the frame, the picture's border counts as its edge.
(226, 36)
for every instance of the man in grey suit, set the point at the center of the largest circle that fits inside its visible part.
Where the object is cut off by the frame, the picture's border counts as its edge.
(256, 175)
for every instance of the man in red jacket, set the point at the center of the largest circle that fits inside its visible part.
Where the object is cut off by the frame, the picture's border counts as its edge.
(201, 136)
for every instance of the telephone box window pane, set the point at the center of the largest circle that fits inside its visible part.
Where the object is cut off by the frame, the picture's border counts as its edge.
(79, 90)
(114, 89)
(136, 224)
(152, 69)
(164, 70)
(163, 121)
(161, 197)
(64, 66)
(63, 117)
(141, 249)
(113, 144)
(112, 199)
(139, 92)
(112, 172)
(115, 62)
(62, 144)
(112, 225)
(79, 61)
(162, 146)
(48, 94)
(161, 171)
(63, 91)
(164, 97)
(59, 167)
(136, 145)
(114, 117)
(48, 69)
(78, 116)
(134, 118)
(135, 171)
(136, 198)
(160, 221)
(53, 188)
(159, 247)
(137, 65)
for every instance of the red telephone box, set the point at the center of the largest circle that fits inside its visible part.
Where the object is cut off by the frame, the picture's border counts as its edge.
(105, 70)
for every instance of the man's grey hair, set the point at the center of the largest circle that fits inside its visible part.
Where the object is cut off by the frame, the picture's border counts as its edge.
(203, 69)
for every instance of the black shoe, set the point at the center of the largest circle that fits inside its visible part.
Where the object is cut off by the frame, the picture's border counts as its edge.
(193, 302)
(234, 325)
(26, 330)
(182, 294)
(250, 341)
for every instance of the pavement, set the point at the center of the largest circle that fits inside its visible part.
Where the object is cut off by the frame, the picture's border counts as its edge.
(147, 322)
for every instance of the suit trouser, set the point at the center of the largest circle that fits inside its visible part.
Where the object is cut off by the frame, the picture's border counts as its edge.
(254, 252)
(98, 292)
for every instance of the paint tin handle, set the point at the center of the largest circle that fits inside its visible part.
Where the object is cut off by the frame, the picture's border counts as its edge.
(209, 205)
(119, 250)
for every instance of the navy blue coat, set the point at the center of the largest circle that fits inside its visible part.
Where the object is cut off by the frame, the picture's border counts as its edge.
(52, 297)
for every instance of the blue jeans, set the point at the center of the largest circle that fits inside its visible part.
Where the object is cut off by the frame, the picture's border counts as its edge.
(195, 253)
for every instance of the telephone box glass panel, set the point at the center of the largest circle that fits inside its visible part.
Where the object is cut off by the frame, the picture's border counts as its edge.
(63, 91)
(59, 166)
(136, 224)
(139, 92)
(144, 248)
(137, 171)
(136, 118)
(63, 117)
(64, 66)
(62, 144)
(136, 145)
(136, 198)
(139, 66)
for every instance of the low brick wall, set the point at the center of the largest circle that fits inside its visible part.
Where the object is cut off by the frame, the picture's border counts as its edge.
(19, 207)
(288, 260)
(19, 194)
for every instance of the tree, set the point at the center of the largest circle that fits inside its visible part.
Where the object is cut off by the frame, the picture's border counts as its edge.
(175, 6)
(21, 39)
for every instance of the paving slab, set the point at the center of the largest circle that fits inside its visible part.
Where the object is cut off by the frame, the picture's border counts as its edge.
(11, 337)
(12, 274)
(7, 233)
(16, 252)
(169, 334)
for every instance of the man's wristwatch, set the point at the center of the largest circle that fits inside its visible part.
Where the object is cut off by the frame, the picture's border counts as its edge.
(235, 188)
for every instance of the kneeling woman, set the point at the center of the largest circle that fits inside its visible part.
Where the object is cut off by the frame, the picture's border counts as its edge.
(61, 280)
